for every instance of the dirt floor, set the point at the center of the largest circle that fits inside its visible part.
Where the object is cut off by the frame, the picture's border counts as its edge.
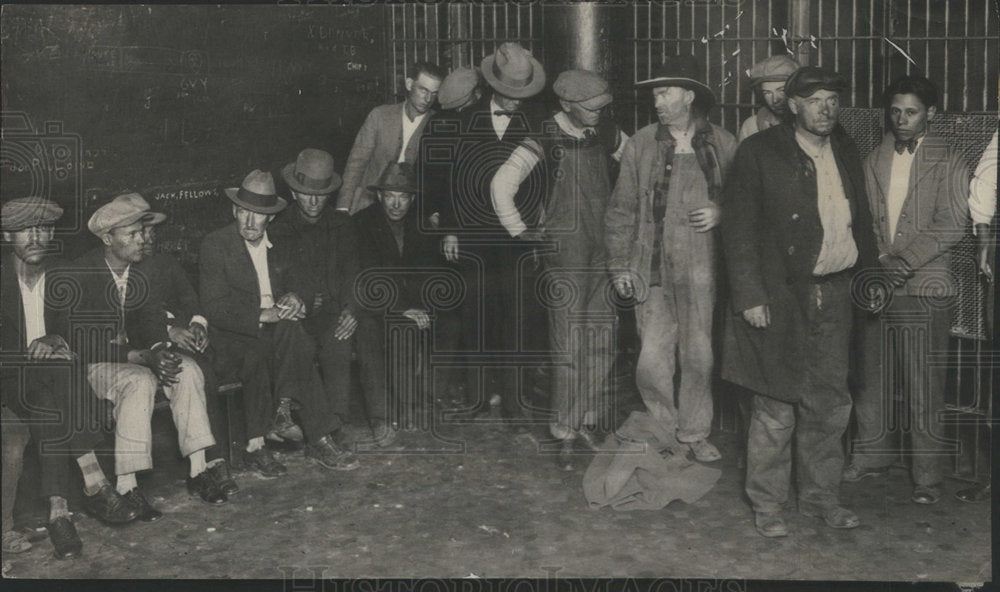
(484, 500)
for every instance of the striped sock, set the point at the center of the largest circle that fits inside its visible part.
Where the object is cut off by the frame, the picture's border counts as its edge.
(93, 476)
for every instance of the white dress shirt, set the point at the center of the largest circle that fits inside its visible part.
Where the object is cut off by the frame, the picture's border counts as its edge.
(258, 254)
(983, 188)
(899, 186)
(408, 128)
(838, 250)
(121, 283)
(33, 303)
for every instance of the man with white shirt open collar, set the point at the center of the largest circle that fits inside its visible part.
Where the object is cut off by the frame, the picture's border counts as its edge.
(918, 189)
(578, 190)
(248, 290)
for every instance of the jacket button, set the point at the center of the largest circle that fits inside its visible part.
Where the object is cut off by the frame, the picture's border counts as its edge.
(902, 215)
(795, 216)
(899, 233)
(670, 167)
(791, 250)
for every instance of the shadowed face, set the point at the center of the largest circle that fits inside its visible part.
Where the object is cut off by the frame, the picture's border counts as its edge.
(773, 94)
(311, 206)
(147, 247)
(251, 224)
(30, 244)
(673, 103)
(127, 243)
(395, 204)
(908, 117)
(580, 115)
(422, 92)
(507, 103)
(817, 113)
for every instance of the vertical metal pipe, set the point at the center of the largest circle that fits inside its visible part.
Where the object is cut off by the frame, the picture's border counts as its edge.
(799, 26)
(965, 60)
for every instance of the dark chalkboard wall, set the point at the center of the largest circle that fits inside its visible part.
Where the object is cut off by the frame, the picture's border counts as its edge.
(178, 101)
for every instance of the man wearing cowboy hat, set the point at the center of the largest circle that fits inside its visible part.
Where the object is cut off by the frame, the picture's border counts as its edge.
(35, 390)
(796, 229)
(587, 143)
(127, 369)
(247, 288)
(458, 186)
(659, 233)
(390, 238)
(390, 133)
(767, 79)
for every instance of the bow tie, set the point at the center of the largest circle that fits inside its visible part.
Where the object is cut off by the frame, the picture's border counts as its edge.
(504, 113)
(909, 145)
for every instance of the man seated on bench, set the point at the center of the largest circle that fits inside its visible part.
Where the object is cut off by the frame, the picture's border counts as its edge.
(247, 292)
(127, 368)
(188, 329)
(38, 395)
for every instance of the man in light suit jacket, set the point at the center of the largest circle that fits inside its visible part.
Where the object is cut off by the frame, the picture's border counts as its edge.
(390, 133)
(918, 188)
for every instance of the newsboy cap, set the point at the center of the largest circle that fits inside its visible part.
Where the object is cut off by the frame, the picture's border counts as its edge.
(584, 87)
(25, 212)
(121, 211)
(809, 79)
(776, 68)
(457, 87)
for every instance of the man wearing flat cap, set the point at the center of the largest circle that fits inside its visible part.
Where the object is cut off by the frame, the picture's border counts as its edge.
(796, 231)
(576, 152)
(767, 79)
(457, 166)
(247, 288)
(36, 388)
(390, 133)
(391, 246)
(320, 238)
(661, 242)
(119, 299)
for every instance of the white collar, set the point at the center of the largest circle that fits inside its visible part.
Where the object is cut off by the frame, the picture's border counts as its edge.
(570, 128)
(264, 243)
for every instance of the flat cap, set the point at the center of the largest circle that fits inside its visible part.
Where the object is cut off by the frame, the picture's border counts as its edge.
(25, 212)
(457, 87)
(774, 69)
(584, 87)
(121, 211)
(809, 79)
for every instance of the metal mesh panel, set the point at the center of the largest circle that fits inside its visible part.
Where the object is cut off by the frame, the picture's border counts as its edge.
(864, 126)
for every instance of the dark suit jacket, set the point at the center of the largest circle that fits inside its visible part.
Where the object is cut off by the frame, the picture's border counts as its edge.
(12, 338)
(407, 269)
(771, 236)
(324, 260)
(99, 311)
(934, 214)
(459, 156)
(171, 283)
(228, 286)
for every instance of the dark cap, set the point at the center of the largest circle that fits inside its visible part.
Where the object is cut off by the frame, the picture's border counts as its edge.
(398, 176)
(809, 79)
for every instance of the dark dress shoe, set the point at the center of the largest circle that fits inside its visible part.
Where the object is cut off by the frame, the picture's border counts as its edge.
(65, 541)
(263, 462)
(147, 513)
(108, 506)
(225, 481)
(926, 494)
(975, 494)
(205, 486)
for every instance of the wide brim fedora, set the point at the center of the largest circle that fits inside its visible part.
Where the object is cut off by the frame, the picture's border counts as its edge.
(288, 174)
(253, 202)
(680, 71)
(508, 87)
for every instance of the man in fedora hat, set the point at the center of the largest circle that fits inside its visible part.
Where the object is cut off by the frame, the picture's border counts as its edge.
(390, 133)
(38, 391)
(458, 186)
(767, 79)
(659, 233)
(796, 229)
(577, 153)
(127, 369)
(319, 236)
(247, 288)
(390, 238)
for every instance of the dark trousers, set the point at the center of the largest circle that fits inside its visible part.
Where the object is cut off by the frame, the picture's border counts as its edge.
(60, 419)
(279, 363)
(335, 364)
(817, 421)
(213, 403)
(14, 437)
(897, 345)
